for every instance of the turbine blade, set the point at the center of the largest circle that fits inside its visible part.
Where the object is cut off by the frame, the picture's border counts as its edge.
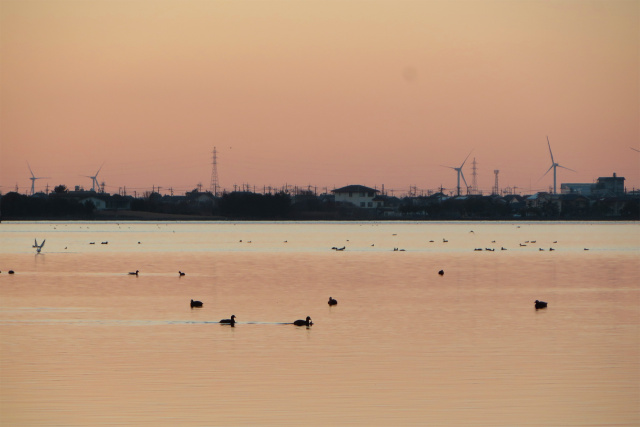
(465, 159)
(99, 170)
(545, 173)
(450, 167)
(42, 244)
(563, 167)
(635, 149)
(29, 166)
(465, 181)
(549, 144)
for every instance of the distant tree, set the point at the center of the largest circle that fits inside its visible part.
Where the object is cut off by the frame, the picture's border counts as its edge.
(89, 207)
(253, 205)
(61, 189)
(631, 209)
(193, 193)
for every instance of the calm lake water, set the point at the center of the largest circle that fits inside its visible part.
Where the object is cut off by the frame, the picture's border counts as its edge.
(84, 343)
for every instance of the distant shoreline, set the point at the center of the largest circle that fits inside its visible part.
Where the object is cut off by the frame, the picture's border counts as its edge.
(154, 216)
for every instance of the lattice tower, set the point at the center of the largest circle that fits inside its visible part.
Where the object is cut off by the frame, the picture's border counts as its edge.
(214, 174)
(474, 181)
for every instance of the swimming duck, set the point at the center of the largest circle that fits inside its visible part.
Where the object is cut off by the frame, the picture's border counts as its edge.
(441, 272)
(231, 321)
(196, 303)
(332, 301)
(134, 273)
(540, 304)
(181, 273)
(307, 322)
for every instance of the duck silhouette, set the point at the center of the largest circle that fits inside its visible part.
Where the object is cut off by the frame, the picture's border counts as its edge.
(196, 303)
(134, 273)
(306, 322)
(332, 301)
(231, 321)
(181, 273)
(540, 304)
(441, 272)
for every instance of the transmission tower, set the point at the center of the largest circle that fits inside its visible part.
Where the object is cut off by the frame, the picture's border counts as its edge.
(474, 181)
(214, 174)
(495, 187)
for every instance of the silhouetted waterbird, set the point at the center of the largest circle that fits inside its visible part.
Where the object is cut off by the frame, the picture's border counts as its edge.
(540, 304)
(306, 322)
(332, 301)
(196, 303)
(231, 321)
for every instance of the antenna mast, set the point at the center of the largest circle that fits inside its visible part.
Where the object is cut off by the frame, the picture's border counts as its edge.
(214, 173)
(495, 187)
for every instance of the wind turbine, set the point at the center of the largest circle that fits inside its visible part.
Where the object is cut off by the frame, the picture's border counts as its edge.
(460, 174)
(553, 166)
(94, 179)
(33, 179)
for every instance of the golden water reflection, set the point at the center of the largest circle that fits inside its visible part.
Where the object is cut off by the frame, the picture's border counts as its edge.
(83, 343)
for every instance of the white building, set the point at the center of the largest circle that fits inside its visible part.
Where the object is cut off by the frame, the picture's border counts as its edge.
(98, 203)
(358, 195)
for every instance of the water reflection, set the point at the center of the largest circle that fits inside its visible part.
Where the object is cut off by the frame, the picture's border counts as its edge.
(84, 344)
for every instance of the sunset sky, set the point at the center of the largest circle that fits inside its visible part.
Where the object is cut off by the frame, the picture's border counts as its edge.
(321, 93)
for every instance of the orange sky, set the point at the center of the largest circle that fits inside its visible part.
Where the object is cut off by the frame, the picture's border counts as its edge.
(321, 93)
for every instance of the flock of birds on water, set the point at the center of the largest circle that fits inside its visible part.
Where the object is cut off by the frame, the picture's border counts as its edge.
(307, 322)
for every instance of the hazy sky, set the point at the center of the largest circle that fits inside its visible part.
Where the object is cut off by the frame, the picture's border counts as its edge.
(322, 93)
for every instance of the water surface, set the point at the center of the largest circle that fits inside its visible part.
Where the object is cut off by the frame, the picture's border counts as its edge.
(84, 343)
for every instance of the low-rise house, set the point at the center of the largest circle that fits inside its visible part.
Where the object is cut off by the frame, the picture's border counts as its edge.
(576, 188)
(388, 206)
(609, 186)
(358, 195)
(573, 204)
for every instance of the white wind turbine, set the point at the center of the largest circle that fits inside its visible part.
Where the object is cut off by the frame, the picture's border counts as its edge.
(94, 179)
(460, 174)
(34, 178)
(553, 166)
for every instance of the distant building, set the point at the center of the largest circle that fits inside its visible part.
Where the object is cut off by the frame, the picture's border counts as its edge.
(100, 204)
(604, 187)
(576, 188)
(609, 186)
(105, 201)
(358, 195)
